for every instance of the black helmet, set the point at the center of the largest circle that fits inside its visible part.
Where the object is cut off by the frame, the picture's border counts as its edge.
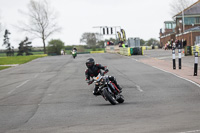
(90, 63)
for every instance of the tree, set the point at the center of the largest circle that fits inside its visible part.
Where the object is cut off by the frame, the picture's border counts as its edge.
(90, 39)
(42, 22)
(100, 44)
(0, 24)
(24, 47)
(55, 46)
(142, 42)
(10, 50)
(179, 5)
(152, 42)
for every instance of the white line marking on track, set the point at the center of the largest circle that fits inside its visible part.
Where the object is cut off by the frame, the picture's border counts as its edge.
(194, 131)
(172, 73)
(139, 89)
(22, 84)
(178, 76)
(36, 75)
(18, 86)
(43, 70)
(11, 91)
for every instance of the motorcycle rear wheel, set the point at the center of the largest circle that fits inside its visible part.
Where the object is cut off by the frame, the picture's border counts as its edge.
(109, 97)
(121, 99)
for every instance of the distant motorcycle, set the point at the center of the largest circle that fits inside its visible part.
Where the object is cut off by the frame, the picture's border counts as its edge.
(74, 53)
(108, 89)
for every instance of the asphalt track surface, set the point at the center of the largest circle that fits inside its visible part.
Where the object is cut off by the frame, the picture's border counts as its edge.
(50, 95)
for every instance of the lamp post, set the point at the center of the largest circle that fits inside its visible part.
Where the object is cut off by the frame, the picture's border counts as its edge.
(183, 21)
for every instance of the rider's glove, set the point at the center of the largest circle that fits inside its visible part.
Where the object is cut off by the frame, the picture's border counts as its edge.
(106, 70)
(89, 82)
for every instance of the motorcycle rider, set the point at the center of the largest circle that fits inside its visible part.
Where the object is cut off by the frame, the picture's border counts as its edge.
(74, 49)
(93, 70)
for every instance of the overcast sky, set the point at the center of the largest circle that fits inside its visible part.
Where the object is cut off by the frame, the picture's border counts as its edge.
(139, 18)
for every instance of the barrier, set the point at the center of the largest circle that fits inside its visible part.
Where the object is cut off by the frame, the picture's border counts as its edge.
(174, 58)
(195, 49)
(188, 50)
(149, 47)
(113, 49)
(179, 58)
(128, 51)
(125, 51)
(92, 52)
(195, 63)
(136, 51)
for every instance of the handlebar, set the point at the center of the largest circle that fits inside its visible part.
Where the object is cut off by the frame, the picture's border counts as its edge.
(105, 72)
(90, 82)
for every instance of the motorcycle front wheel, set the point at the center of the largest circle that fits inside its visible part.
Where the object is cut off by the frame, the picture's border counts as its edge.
(109, 97)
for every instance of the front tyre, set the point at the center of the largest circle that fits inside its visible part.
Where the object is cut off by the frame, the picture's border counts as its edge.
(109, 97)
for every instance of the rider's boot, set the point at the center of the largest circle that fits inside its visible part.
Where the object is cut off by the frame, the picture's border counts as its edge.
(119, 87)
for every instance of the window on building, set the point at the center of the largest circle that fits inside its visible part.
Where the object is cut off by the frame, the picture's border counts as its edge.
(174, 26)
(191, 20)
(170, 25)
(198, 20)
(197, 40)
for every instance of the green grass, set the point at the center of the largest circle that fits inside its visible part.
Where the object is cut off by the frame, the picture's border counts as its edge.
(18, 59)
(15, 54)
(4, 67)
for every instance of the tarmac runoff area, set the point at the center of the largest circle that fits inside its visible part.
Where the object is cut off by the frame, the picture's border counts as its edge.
(165, 64)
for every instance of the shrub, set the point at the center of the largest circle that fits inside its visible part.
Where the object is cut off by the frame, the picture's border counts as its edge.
(55, 46)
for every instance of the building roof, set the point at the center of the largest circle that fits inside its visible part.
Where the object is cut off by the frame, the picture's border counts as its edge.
(169, 22)
(193, 29)
(194, 9)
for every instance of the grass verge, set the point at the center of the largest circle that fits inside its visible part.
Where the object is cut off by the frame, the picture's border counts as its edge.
(19, 59)
(4, 67)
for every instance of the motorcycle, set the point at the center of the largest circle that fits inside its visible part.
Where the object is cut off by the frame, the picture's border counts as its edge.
(74, 54)
(108, 89)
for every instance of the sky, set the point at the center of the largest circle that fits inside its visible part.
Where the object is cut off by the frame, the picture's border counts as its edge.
(139, 18)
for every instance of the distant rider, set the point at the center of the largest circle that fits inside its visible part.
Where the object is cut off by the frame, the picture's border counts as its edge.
(74, 49)
(93, 71)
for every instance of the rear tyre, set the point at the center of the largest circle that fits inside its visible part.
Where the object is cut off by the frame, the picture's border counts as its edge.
(121, 99)
(109, 97)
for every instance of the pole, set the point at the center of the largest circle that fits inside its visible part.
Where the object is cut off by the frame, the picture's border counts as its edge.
(183, 21)
(195, 63)
(174, 58)
(179, 56)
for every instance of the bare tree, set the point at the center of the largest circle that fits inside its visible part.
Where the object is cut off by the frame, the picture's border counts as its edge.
(0, 23)
(0, 27)
(90, 38)
(41, 22)
(179, 5)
